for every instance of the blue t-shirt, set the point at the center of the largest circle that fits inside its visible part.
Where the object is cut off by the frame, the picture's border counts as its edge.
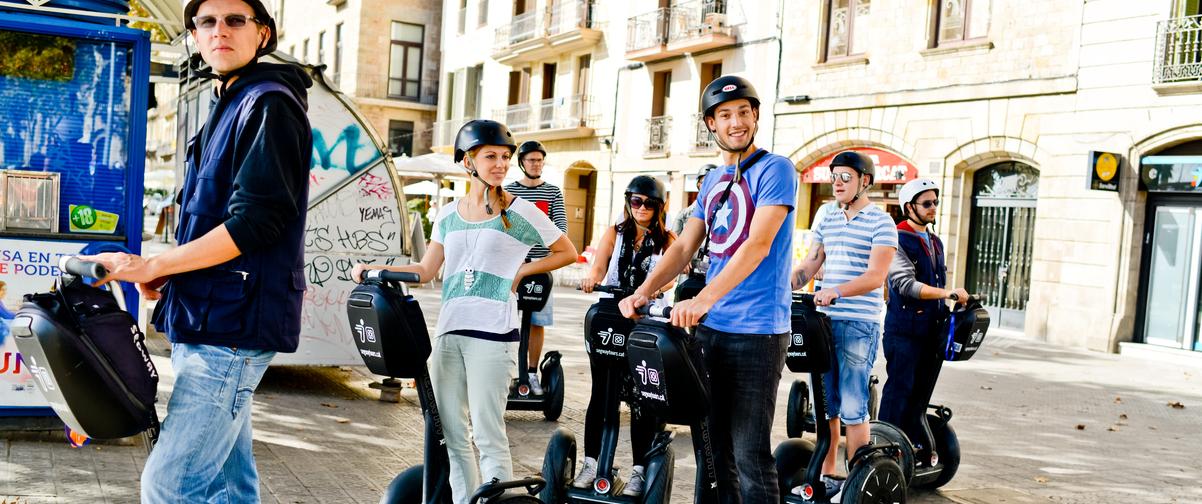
(926, 238)
(760, 304)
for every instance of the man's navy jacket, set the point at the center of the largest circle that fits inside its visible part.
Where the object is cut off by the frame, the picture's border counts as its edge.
(248, 169)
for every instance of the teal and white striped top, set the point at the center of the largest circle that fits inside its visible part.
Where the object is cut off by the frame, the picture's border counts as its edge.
(481, 261)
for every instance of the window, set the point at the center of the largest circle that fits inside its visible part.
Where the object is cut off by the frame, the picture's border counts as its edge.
(337, 52)
(661, 92)
(583, 66)
(519, 86)
(482, 15)
(405, 63)
(709, 72)
(305, 51)
(462, 16)
(847, 28)
(321, 47)
(400, 138)
(959, 20)
(548, 80)
(474, 88)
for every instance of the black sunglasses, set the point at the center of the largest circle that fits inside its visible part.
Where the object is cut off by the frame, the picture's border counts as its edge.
(638, 202)
(928, 204)
(230, 20)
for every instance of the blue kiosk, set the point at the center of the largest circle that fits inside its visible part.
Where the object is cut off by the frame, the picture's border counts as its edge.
(73, 99)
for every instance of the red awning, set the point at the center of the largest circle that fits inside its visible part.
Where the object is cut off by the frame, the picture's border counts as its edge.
(890, 168)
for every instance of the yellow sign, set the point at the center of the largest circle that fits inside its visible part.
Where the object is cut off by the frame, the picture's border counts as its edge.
(1106, 166)
(85, 219)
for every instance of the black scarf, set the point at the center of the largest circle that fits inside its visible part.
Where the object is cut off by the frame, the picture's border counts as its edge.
(633, 266)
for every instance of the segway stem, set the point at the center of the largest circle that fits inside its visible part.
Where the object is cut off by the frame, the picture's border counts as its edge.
(524, 349)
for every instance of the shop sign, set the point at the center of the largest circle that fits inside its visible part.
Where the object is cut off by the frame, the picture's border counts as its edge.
(1171, 173)
(1104, 171)
(890, 168)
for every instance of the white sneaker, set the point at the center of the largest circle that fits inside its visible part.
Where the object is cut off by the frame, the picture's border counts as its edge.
(535, 387)
(634, 486)
(588, 473)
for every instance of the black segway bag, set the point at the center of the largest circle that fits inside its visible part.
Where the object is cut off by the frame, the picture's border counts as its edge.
(89, 359)
(533, 292)
(606, 332)
(810, 341)
(389, 329)
(966, 328)
(667, 367)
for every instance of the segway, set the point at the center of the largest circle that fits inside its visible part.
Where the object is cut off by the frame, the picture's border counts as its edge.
(533, 292)
(874, 474)
(932, 461)
(606, 332)
(390, 333)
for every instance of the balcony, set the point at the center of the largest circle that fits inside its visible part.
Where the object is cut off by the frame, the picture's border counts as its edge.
(703, 140)
(1178, 61)
(444, 134)
(684, 28)
(659, 130)
(699, 25)
(551, 119)
(566, 26)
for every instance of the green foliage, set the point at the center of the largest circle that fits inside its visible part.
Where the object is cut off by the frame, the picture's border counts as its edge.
(41, 57)
(421, 206)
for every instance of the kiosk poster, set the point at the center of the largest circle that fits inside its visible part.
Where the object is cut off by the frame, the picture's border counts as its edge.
(26, 266)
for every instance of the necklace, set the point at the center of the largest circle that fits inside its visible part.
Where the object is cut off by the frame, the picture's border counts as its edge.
(469, 273)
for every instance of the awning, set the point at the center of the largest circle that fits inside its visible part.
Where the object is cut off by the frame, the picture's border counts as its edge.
(890, 168)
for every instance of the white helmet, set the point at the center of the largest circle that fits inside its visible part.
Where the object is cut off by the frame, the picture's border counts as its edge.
(913, 188)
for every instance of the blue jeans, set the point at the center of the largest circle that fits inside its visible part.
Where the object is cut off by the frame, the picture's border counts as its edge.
(204, 451)
(744, 371)
(855, 350)
(544, 317)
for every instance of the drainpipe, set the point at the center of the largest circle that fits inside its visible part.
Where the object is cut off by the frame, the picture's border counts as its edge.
(612, 129)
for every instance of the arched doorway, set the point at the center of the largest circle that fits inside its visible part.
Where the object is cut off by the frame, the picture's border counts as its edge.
(1001, 239)
(579, 198)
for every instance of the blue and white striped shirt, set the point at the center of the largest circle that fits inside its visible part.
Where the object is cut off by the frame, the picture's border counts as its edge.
(847, 245)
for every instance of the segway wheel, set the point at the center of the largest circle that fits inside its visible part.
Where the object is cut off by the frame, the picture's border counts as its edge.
(553, 407)
(659, 486)
(792, 459)
(889, 433)
(559, 464)
(947, 446)
(406, 488)
(877, 480)
(799, 406)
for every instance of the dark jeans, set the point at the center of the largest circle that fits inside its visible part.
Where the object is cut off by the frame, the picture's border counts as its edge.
(744, 372)
(913, 363)
(643, 425)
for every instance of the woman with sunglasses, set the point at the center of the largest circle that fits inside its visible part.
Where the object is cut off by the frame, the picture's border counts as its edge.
(915, 309)
(629, 250)
(483, 239)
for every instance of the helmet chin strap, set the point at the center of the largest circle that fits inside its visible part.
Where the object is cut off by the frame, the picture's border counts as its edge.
(522, 167)
(487, 187)
(739, 152)
(856, 197)
(915, 217)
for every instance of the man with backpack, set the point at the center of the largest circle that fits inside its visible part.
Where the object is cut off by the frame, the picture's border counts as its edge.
(235, 284)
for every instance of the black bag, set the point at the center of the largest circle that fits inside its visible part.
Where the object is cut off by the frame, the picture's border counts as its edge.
(810, 341)
(667, 366)
(89, 359)
(966, 328)
(606, 332)
(389, 329)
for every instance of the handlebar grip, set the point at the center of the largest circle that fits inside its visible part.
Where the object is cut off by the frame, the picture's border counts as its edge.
(392, 276)
(78, 267)
(654, 311)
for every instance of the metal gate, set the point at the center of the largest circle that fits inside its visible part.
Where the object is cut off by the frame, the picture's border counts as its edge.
(1002, 232)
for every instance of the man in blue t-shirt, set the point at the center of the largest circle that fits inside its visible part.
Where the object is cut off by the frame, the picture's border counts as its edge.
(853, 244)
(745, 223)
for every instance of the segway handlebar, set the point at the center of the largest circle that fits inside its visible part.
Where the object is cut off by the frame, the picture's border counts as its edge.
(807, 298)
(610, 289)
(971, 297)
(392, 276)
(79, 267)
(654, 311)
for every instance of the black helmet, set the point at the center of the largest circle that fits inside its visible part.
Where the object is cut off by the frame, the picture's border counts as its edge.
(530, 146)
(262, 15)
(860, 163)
(727, 88)
(480, 132)
(646, 186)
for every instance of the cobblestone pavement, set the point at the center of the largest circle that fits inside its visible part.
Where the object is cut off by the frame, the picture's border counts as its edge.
(1036, 423)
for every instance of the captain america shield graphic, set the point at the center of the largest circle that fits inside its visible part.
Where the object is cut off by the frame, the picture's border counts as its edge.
(731, 223)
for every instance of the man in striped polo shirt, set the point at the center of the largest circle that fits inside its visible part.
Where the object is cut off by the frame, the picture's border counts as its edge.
(855, 244)
(548, 198)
